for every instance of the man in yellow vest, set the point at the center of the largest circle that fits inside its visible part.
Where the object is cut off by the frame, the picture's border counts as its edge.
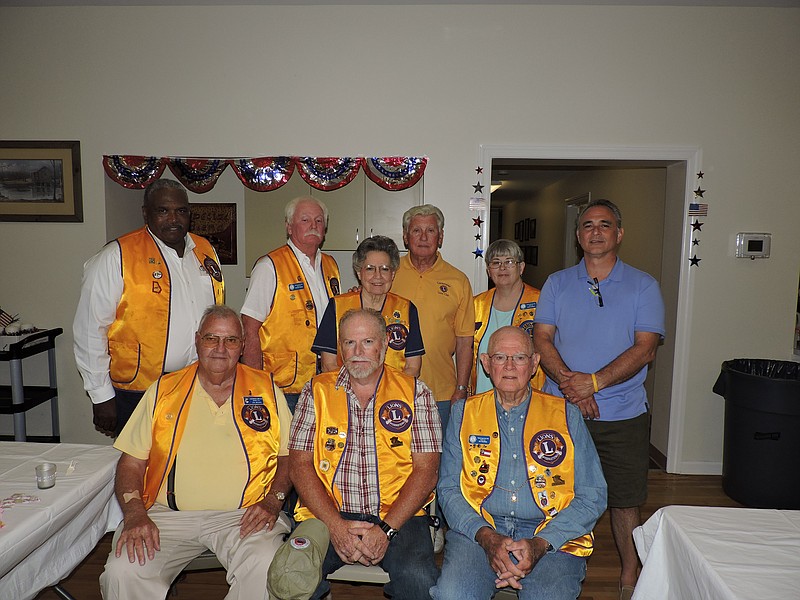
(288, 294)
(141, 301)
(521, 485)
(204, 465)
(364, 456)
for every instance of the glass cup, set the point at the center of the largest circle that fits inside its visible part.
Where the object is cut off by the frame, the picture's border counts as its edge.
(45, 475)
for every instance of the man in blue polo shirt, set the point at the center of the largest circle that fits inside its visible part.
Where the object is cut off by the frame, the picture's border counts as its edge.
(597, 326)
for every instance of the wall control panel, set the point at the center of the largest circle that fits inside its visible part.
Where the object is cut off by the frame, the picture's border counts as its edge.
(753, 245)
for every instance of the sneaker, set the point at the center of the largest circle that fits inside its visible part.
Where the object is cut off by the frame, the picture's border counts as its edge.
(438, 541)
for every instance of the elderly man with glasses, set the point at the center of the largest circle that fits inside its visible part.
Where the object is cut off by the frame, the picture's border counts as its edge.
(520, 485)
(204, 465)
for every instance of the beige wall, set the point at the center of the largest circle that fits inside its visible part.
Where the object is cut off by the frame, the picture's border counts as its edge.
(442, 80)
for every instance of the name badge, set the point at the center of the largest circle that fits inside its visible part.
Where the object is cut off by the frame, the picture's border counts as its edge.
(293, 287)
(527, 305)
(479, 440)
(254, 400)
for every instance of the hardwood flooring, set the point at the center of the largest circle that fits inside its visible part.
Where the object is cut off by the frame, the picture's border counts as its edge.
(600, 584)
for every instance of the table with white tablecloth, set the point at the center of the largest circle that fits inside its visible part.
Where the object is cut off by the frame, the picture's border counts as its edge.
(42, 542)
(711, 553)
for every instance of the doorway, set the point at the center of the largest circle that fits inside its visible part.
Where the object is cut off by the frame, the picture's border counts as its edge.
(559, 169)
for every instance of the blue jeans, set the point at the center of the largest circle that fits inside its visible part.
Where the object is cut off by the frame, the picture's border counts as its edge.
(408, 561)
(467, 575)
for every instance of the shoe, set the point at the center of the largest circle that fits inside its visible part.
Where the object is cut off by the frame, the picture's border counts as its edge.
(438, 541)
(626, 592)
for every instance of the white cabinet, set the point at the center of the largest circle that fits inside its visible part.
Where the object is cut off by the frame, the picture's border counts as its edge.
(358, 210)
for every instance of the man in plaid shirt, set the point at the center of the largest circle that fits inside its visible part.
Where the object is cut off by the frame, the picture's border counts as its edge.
(364, 457)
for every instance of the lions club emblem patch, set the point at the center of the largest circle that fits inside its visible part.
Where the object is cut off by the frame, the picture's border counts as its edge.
(548, 448)
(255, 414)
(397, 335)
(395, 415)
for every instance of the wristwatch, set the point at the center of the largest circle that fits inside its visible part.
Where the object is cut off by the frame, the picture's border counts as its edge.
(387, 529)
(279, 495)
(462, 388)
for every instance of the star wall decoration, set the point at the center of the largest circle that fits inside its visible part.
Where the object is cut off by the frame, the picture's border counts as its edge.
(695, 242)
(700, 174)
(697, 225)
(478, 252)
(694, 261)
(698, 193)
(478, 188)
(479, 170)
(477, 221)
(477, 236)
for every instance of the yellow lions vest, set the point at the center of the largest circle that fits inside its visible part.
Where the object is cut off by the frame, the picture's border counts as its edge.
(289, 330)
(255, 414)
(394, 413)
(524, 311)
(137, 339)
(550, 458)
(395, 312)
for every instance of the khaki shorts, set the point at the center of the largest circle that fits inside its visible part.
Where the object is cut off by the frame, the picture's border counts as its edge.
(624, 451)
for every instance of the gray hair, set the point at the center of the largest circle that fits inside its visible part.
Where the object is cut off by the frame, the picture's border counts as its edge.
(503, 247)
(220, 311)
(512, 330)
(163, 184)
(376, 243)
(423, 210)
(605, 203)
(292, 207)
(374, 315)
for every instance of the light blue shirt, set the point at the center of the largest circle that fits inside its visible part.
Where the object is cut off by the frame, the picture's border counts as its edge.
(589, 336)
(572, 522)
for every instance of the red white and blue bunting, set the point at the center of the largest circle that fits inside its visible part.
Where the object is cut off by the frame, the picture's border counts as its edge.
(264, 174)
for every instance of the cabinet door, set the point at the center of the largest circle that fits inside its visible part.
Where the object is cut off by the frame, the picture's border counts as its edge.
(384, 210)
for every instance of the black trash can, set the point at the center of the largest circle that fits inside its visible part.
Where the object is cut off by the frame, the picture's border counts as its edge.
(761, 454)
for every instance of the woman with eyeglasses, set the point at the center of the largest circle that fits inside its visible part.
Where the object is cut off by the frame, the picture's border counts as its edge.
(375, 264)
(510, 302)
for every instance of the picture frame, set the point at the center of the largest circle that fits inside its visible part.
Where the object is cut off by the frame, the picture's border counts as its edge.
(518, 231)
(530, 228)
(40, 181)
(531, 254)
(216, 221)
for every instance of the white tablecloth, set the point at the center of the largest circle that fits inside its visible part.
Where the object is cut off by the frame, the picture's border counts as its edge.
(43, 542)
(709, 553)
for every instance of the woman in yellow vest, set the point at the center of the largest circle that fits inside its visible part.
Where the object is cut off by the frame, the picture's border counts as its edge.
(375, 263)
(510, 302)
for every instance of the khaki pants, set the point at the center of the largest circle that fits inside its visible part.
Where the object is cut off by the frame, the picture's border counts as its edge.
(185, 535)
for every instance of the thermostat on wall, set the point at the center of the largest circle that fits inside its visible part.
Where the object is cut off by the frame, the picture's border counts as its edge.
(753, 245)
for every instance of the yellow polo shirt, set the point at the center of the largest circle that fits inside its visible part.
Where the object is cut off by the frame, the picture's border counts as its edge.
(211, 466)
(443, 296)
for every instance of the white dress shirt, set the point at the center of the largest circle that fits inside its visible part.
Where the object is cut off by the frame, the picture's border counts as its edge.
(263, 281)
(101, 291)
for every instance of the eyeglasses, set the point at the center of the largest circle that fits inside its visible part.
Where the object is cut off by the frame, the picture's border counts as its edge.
(519, 360)
(231, 342)
(594, 287)
(372, 269)
(509, 263)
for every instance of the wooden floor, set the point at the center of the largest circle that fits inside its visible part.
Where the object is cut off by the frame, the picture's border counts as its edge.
(600, 584)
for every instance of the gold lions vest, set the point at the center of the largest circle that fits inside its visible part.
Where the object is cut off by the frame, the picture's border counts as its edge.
(395, 312)
(550, 458)
(524, 311)
(255, 414)
(289, 330)
(137, 339)
(394, 414)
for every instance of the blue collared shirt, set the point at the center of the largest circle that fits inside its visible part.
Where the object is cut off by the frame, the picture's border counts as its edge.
(573, 521)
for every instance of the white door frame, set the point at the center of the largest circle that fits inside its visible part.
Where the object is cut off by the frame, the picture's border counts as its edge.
(692, 156)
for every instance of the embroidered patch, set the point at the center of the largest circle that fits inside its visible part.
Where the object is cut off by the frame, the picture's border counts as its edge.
(256, 416)
(299, 543)
(527, 327)
(212, 268)
(397, 336)
(395, 415)
(335, 286)
(548, 448)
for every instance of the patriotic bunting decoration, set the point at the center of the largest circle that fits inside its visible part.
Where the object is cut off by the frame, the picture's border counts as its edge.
(133, 172)
(327, 173)
(263, 174)
(395, 172)
(198, 175)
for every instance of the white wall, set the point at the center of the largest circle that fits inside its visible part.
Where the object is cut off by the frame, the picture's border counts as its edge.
(438, 80)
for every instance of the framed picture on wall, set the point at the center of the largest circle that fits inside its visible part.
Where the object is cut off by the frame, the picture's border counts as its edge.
(531, 254)
(530, 229)
(40, 181)
(518, 230)
(216, 221)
